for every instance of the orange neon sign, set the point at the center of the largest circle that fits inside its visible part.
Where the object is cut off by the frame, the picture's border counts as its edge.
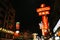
(43, 11)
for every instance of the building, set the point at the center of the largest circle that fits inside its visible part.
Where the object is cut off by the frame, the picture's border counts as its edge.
(7, 17)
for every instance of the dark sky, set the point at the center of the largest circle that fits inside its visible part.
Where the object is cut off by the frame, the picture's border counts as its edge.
(27, 15)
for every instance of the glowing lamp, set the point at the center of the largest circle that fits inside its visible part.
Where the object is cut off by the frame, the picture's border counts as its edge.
(16, 34)
(17, 31)
(43, 13)
(17, 25)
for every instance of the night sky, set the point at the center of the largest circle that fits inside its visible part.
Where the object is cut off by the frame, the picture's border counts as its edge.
(28, 17)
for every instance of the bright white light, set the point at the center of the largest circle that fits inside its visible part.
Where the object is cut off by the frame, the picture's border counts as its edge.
(57, 26)
(56, 38)
(17, 31)
(41, 25)
(17, 22)
(35, 34)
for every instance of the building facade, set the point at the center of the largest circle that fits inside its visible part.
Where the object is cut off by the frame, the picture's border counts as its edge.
(7, 17)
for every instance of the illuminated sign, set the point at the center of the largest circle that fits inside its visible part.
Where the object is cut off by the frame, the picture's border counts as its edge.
(6, 31)
(43, 13)
(43, 9)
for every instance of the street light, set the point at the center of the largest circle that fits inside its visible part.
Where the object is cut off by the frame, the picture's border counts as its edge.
(17, 31)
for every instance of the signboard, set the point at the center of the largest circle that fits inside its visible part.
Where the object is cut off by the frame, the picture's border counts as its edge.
(43, 9)
(43, 13)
